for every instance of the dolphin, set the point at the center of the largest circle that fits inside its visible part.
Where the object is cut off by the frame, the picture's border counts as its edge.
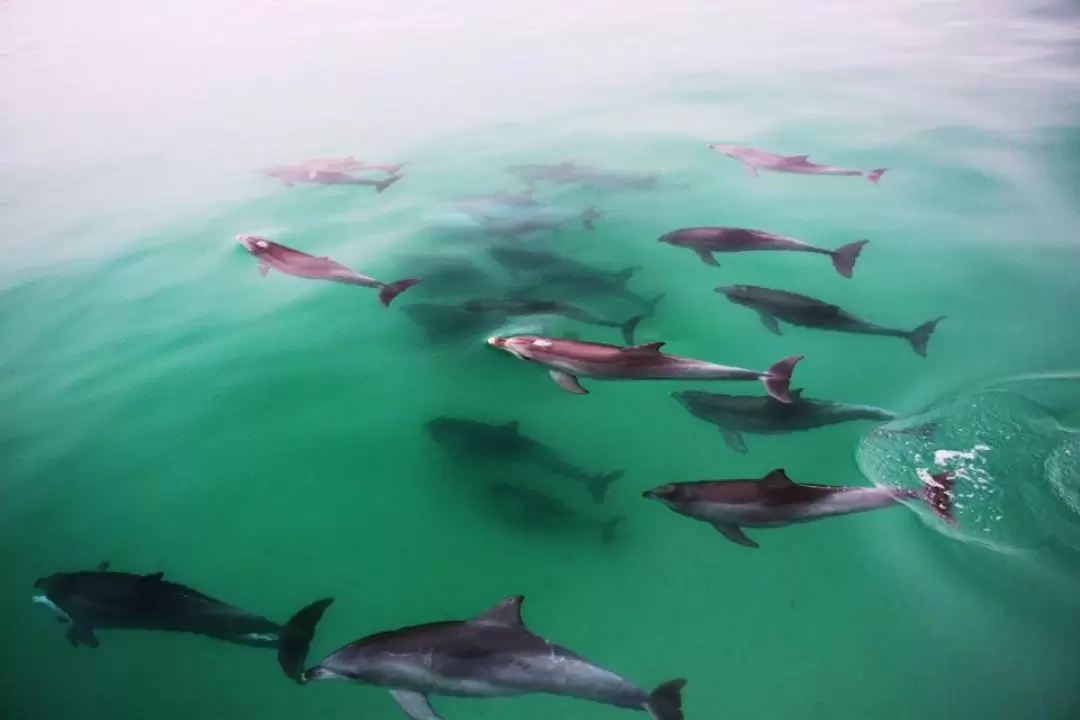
(776, 500)
(292, 174)
(737, 414)
(294, 262)
(535, 508)
(514, 307)
(708, 240)
(568, 173)
(97, 599)
(506, 442)
(349, 163)
(491, 655)
(513, 221)
(567, 359)
(754, 160)
(449, 275)
(773, 305)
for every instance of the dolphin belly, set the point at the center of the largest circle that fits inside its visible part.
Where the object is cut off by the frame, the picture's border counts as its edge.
(555, 673)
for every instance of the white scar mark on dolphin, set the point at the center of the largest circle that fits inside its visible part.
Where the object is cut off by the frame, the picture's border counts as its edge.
(542, 343)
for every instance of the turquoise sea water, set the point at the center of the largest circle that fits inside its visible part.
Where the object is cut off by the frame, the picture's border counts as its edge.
(163, 407)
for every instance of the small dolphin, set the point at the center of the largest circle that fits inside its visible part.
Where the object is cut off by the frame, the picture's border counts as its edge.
(98, 599)
(567, 359)
(773, 305)
(293, 262)
(349, 163)
(754, 160)
(534, 508)
(708, 240)
(737, 414)
(515, 307)
(776, 500)
(492, 655)
(292, 174)
(506, 442)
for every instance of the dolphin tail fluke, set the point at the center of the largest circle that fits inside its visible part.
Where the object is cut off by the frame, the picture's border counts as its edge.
(383, 184)
(296, 639)
(921, 335)
(650, 305)
(665, 702)
(599, 484)
(629, 327)
(843, 258)
(938, 494)
(391, 290)
(607, 530)
(875, 175)
(778, 377)
(588, 215)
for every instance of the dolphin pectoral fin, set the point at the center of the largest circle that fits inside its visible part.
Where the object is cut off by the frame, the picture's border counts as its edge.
(82, 635)
(263, 269)
(102, 567)
(707, 258)
(734, 441)
(769, 321)
(414, 704)
(568, 382)
(750, 170)
(735, 534)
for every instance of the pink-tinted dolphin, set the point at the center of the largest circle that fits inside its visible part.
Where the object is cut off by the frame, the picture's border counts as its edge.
(755, 160)
(349, 163)
(708, 240)
(294, 262)
(776, 500)
(292, 174)
(566, 360)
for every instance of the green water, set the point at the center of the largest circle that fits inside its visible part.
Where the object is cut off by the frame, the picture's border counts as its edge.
(163, 407)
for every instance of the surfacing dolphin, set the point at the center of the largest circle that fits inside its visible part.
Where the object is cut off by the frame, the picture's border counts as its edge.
(776, 500)
(708, 240)
(772, 305)
(737, 414)
(294, 262)
(755, 160)
(568, 359)
(98, 599)
(492, 655)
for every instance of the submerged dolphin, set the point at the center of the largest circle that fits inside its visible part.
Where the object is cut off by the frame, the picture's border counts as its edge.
(535, 508)
(773, 305)
(737, 414)
(99, 599)
(568, 173)
(754, 160)
(492, 655)
(708, 240)
(294, 262)
(776, 500)
(567, 359)
(506, 442)
(514, 307)
(292, 174)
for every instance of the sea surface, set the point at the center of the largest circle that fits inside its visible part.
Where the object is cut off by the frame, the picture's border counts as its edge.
(263, 440)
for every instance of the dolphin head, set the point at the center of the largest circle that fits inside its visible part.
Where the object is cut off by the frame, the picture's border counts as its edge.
(741, 294)
(729, 150)
(320, 672)
(255, 245)
(669, 494)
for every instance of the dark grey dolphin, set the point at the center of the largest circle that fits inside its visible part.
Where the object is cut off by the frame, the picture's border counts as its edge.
(708, 240)
(773, 305)
(737, 414)
(492, 655)
(506, 442)
(294, 262)
(775, 501)
(534, 508)
(97, 599)
(516, 307)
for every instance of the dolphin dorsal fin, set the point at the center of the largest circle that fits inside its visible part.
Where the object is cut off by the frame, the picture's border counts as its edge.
(776, 479)
(507, 612)
(798, 158)
(796, 394)
(653, 347)
(153, 577)
(102, 567)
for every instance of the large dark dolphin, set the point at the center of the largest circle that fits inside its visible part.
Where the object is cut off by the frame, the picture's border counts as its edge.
(98, 599)
(518, 306)
(773, 305)
(737, 414)
(568, 359)
(775, 501)
(506, 442)
(708, 240)
(492, 655)
(754, 160)
(533, 508)
(294, 262)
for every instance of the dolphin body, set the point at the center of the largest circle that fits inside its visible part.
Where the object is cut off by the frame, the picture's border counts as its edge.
(491, 655)
(348, 164)
(506, 442)
(776, 500)
(99, 599)
(316, 175)
(708, 240)
(755, 160)
(737, 414)
(515, 307)
(773, 305)
(568, 359)
(294, 262)
(568, 173)
(535, 508)
(515, 220)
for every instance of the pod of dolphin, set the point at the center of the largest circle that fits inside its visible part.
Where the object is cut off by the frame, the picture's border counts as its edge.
(495, 653)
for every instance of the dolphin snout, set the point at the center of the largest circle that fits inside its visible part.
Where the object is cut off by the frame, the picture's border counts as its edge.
(496, 342)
